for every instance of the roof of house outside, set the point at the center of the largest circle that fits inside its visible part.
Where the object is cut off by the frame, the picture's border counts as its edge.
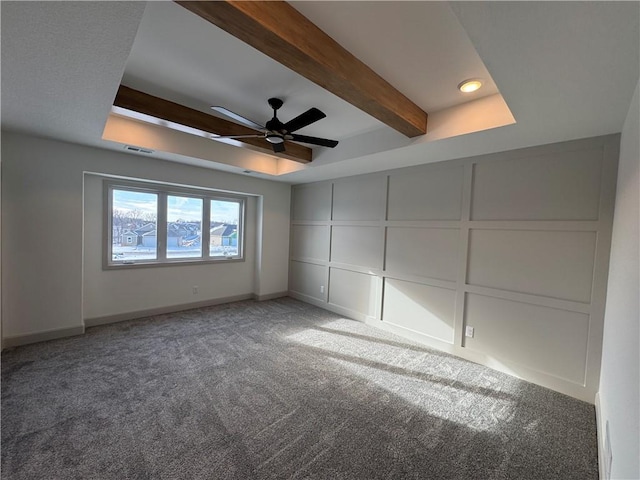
(224, 230)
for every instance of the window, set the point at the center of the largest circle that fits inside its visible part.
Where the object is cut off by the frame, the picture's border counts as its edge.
(184, 227)
(151, 224)
(134, 216)
(224, 221)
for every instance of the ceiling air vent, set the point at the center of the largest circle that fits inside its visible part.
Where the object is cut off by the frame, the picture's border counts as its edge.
(137, 149)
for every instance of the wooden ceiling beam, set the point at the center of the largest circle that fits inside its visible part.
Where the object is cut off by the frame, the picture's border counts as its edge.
(278, 30)
(156, 107)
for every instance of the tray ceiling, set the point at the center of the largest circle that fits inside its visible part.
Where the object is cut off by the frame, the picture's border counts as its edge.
(566, 70)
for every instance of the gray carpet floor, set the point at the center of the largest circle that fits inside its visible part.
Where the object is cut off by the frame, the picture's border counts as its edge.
(277, 390)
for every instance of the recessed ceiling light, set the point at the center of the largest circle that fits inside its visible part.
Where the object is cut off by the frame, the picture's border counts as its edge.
(470, 85)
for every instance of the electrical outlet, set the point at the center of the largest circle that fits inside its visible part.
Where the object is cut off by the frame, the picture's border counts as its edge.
(195, 290)
(321, 288)
(468, 332)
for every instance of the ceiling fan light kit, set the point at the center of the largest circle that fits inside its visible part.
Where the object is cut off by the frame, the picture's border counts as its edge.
(273, 138)
(275, 132)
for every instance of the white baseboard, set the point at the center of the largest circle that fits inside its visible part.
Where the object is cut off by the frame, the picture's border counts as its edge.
(418, 337)
(347, 312)
(332, 307)
(18, 340)
(308, 299)
(270, 296)
(600, 434)
(121, 317)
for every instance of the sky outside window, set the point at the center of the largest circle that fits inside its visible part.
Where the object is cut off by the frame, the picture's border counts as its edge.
(140, 204)
(225, 212)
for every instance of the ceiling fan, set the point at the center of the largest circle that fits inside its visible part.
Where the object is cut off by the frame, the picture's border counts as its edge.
(275, 132)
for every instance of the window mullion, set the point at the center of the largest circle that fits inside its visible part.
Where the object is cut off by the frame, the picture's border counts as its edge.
(162, 227)
(242, 207)
(205, 236)
(108, 223)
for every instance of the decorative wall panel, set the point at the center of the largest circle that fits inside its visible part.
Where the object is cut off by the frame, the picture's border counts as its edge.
(548, 340)
(359, 246)
(434, 194)
(514, 244)
(553, 186)
(426, 252)
(354, 291)
(310, 242)
(550, 263)
(420, 308)
(311, 202)
(359, 198)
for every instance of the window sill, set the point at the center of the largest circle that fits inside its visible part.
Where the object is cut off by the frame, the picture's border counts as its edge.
(169, 263)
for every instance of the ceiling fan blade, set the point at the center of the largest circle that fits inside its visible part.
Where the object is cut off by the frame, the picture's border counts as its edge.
(323, 142)
(278, 147)
(238, 118)
(304, 119)
(215, 137)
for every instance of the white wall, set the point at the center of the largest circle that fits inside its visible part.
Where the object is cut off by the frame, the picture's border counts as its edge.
(42, 239)
(514, 244)
(0, 251)
(620, 379)
(115, 292)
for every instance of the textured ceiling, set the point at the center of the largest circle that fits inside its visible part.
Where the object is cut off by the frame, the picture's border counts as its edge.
(418, 47)
(62, 63)
(566, 71)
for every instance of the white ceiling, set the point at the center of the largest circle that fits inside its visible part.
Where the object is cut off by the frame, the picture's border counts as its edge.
(565, 70)
(418, 47)
(211, 67)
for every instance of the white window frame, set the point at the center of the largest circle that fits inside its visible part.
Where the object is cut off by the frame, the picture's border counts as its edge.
(163, 191)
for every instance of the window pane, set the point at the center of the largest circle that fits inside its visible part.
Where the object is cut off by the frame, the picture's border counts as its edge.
(133, 220)
(184, 227)
(224, 233)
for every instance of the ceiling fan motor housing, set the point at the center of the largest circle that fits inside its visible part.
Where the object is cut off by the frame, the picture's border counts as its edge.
(276, 126)
(275, 103)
